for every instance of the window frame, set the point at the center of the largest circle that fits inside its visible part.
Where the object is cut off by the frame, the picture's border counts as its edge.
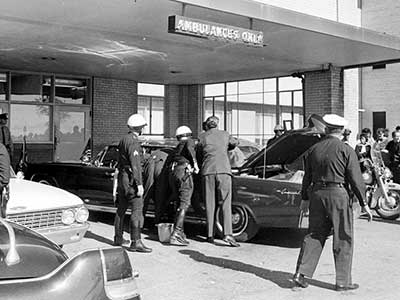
(8, 102)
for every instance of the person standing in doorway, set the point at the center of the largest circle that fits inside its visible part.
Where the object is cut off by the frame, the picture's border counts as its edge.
(5, 135)
(130, 185)
(216, 174)
(330, 167)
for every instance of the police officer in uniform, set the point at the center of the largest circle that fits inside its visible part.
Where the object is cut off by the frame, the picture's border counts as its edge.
(182, 164)
(4, 179)
(130, 186)
(5, 135)
(216, 174)
(156, 183)
(330, 167)
(278, 130)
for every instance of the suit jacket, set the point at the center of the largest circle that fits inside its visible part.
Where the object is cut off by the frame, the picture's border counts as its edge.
(212, 151)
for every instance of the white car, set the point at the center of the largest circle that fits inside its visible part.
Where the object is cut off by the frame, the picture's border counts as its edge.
(57, 214)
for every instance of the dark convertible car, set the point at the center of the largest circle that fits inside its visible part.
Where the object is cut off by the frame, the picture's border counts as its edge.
(33, 267)
(266, 189)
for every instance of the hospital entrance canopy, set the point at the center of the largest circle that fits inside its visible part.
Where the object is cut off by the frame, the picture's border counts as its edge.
(128, 39)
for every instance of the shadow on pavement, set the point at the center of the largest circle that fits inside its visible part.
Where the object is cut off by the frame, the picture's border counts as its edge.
(381, 220)
(102, 239)
(281, 237)
(282, 279)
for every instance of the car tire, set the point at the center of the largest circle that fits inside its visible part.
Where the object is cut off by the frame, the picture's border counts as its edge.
(244, 225)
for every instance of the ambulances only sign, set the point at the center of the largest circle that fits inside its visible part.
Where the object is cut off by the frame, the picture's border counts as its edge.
(204, 29)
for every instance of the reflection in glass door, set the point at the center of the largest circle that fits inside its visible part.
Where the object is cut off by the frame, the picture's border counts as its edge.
(71, 133)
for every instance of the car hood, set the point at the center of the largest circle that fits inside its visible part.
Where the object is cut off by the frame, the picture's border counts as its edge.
(28, 196)
(288, 147)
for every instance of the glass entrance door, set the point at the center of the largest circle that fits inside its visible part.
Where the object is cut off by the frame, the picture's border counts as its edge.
(71, 132)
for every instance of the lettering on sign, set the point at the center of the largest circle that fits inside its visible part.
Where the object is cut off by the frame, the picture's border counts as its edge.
(198, 28)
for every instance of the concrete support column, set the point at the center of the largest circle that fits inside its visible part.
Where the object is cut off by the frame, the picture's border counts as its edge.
(113, 102)
(182, 107)
(324, 92)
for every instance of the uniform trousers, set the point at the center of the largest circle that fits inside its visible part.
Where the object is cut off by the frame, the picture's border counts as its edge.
(330, 208)
(218, 187)
(127, 198)
(181, 183)
(155, 187)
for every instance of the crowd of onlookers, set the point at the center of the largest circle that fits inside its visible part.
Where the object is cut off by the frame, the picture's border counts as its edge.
(368, 147)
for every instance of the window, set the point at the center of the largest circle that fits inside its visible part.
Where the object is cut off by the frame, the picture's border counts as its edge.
(71, 91)
(26, 87)
(151, 107)
(31, 121)
(251, 106)
(48, 109)
(3, 86)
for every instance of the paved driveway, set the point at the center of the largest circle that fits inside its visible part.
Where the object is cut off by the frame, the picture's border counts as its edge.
(258, 270)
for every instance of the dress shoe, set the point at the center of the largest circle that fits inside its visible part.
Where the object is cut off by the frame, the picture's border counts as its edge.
(210, 240)
(352, 286)
(231, 241)
(300, 281)
(138, 246)
(121, 242)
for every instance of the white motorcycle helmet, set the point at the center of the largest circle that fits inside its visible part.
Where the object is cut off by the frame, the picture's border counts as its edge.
(136, 120)
(183, 131)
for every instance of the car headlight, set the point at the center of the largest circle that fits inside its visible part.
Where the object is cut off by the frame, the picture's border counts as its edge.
(68, 216)
(82, 214)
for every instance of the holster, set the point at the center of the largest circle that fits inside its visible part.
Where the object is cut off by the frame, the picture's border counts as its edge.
(350, 193)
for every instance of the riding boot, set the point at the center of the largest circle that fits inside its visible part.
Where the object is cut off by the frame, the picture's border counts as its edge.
(178, 237)
(137, 244)
(118, 231)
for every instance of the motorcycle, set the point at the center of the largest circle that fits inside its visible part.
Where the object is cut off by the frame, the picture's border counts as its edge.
(382, 194)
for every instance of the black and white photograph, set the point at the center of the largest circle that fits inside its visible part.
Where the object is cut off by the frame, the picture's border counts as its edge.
(199, 149)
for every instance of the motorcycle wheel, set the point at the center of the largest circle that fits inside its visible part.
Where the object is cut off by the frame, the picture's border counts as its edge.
(389, 209)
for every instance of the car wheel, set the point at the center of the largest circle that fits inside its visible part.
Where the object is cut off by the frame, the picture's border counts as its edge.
(244, 226)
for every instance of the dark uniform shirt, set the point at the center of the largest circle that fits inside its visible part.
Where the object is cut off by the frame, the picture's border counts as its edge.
(130, 153)
(332, 161)
(394, 153)
(5, 139)
(272, 140)
(4, 167)
(184, 152)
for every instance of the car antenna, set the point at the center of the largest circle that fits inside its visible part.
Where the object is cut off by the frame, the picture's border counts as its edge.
(265, 160)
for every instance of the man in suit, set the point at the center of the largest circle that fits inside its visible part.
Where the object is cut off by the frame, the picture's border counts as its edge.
(330, 167)
(130, 185)
(216, 174)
